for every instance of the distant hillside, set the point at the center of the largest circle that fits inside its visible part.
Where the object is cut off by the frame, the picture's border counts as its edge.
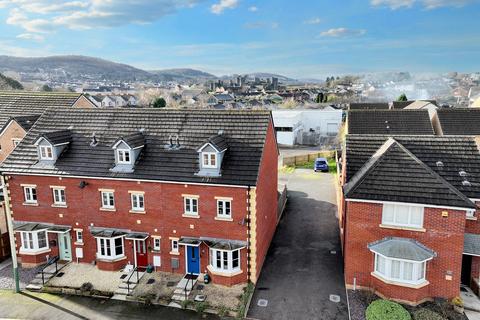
(7, 83)
(75, 67)
(182, 75)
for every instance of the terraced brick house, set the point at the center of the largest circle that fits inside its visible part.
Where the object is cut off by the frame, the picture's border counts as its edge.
(191, 191)
(18, 112)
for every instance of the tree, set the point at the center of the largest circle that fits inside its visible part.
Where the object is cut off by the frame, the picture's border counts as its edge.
(403, 97)
(46, 88)
(319, 98)
(159, 103)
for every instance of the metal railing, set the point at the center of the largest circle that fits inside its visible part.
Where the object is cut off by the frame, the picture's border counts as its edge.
(49, 263)
(135, 271)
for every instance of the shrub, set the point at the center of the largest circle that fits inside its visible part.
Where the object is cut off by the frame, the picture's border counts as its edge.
(426, 314)
(386, 310)
(86, 287)
(457, 301)
(201, 306)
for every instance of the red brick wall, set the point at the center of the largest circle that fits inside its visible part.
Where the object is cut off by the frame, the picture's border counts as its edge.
(164, 208)
(473, 226)
(267, 198)
(444, 235)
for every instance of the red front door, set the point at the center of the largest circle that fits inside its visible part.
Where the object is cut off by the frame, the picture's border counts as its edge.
(142, 256)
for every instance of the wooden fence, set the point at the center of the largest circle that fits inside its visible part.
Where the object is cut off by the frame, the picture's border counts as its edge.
(292, 161)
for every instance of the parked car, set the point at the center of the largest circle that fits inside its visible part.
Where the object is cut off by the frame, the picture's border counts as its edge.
(321, 164)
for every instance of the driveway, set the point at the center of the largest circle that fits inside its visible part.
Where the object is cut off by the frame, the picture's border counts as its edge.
(304, 265)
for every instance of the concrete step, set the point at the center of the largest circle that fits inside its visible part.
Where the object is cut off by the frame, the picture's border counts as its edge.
(46, 276)
(133, 278)
(178, 297)
(175, 305)
(119, 297)
(189, 285)
(121, 291)
(51, 268)
(181, 291)
(33, 287)
(124, 285)
(38, 281)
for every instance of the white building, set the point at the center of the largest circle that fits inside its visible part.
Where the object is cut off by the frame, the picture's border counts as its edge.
(290, 125)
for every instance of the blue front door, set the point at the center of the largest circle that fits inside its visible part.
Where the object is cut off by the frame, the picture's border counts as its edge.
(193, 260)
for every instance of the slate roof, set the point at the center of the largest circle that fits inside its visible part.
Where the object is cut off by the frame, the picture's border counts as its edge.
(57, 137)
(26, 122)
(394, 174)
(244, 132)
(396, 122)
(218, 142)
(402, 248)
(460, 121)
(404, 104)
(471, 244)
(22, 103)
(134, 140)
(447, 156)
(369, 106)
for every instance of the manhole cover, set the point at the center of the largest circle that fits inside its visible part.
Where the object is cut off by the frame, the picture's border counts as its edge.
(60, 274)
(150, 281)
(200, 286)
(335, 298)
(200, 297)
(262, 303)
(170, 283)
(123, 276)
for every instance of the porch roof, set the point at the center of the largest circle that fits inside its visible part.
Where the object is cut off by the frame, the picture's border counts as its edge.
(108, 232)
(471, 245)
(137, 236)
(402, 248)
(36, 226)
(224, 244)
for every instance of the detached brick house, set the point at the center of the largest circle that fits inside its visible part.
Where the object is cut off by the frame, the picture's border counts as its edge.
(186, 191)
(409, 215)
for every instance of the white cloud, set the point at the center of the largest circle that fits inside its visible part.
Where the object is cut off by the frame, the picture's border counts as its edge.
(313, 21)
(261, 25)
(31, 36)
(342, 32)
(428, 4)
(253, 9)
(218, 8)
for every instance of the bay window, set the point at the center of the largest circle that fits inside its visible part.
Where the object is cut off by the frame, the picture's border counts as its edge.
(110, 248)
(32, 241)
(225, 260)
(402, 215)
(403, 271)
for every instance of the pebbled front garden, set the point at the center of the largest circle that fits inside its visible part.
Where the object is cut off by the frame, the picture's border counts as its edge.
(365, 305)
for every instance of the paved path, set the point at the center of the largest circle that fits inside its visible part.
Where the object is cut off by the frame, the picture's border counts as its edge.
(300, 272)
(39, 306)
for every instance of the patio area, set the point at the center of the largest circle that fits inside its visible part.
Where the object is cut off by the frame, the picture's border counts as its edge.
(76, 274)
(157, 286)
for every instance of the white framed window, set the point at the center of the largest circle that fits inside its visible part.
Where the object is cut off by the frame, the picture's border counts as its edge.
(174, 246)
(156, 243)
(209, 159)
(402, 215)
(79, 236)
(138, 202)
(224, 209)
(404, 271)
(30, 194)
(471, 213)
(191, 206)
(59, 196)
(33, 240)
(225, 260)
(110, 248)
(123, 156)
(46, 153)
(108, 200)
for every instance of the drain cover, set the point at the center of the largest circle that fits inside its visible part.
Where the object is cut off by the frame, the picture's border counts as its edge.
(123, 276)
(200, 297)
(262, 303)
(170, 283)
(60, 274)
(335, 298)
(150, 281)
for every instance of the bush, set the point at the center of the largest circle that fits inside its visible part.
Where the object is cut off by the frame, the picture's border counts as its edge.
(426, 314)
(201, 306)
(386, 310)
(86, 287)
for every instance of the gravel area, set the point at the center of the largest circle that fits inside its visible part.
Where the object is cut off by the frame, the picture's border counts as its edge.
(221, 296)
(26, 275)
(159, 289)
(77, 274)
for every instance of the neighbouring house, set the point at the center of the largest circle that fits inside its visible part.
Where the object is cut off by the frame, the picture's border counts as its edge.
(369, 106)
(19, 110)
(220, 98)
(306, 126)
(459, 121)
(409, 215)
(404, 104)
(185, 191)
(475, 101)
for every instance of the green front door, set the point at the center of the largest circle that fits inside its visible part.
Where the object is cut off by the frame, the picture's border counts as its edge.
(64, 246)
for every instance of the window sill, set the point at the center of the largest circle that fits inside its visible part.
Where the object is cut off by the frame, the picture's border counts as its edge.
(104, 259)
(224, 273)
(59, 206)
(401, 284)
(33, 253)
(223, 219)
(108, 209)
(192, 216)
(472, 218)
(174, 253)
(386, 226)
(156, 251)
(33, 204)
(78, 243)
(137, 212)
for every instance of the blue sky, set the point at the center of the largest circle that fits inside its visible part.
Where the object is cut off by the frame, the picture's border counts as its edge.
(302, 39)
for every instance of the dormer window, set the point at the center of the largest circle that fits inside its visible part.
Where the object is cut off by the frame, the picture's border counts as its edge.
(209, 159)
(46, 153)
(123, 156)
